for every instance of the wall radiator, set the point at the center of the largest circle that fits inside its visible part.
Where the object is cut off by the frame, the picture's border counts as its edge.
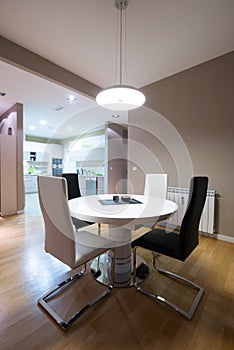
(180, 196)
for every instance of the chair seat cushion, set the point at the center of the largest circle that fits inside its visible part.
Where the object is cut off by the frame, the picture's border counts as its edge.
(160, 241)
(89, 245)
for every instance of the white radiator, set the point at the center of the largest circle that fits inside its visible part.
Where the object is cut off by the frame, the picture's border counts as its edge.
(180, 196)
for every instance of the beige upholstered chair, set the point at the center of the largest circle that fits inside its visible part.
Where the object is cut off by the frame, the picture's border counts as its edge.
(73, 248)
(156, 185)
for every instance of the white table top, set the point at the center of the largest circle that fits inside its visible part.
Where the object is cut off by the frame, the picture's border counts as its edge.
(89, 208)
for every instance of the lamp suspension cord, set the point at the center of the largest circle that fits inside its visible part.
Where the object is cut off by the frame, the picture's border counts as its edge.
(120, 44)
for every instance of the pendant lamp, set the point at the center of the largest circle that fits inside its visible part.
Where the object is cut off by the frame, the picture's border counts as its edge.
(120, 97)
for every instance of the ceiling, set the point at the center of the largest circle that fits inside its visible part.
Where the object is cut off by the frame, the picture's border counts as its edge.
(163, 37)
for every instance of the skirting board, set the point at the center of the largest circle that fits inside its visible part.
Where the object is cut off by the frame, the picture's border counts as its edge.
(20, 212)
(218, 236)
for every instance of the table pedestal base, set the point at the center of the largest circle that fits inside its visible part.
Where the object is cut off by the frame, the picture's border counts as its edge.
(123, 267)
(101, 272)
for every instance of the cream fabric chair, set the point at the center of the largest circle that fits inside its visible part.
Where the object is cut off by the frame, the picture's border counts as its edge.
(156, 185)
(73, 248)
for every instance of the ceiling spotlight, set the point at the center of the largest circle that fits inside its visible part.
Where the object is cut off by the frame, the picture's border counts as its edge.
(43, 122)
(72, 98)
(2, 93)
(57, 109)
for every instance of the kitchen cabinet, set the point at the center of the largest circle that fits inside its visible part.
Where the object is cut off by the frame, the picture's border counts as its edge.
(91, 184)
(39, 156)
(100, 184)
(44, 151)
(43, 155)
(87, 155)
(56, 150)
(30, 184)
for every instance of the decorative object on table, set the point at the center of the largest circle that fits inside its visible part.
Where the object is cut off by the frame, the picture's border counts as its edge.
(116, 200)
(125, 199)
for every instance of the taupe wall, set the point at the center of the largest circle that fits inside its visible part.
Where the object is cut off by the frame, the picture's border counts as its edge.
(199, 102)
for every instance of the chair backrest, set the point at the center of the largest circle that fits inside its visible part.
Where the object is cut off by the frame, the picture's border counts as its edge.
(73, 188)
(156, 185)
(191, 219)
(59, 230)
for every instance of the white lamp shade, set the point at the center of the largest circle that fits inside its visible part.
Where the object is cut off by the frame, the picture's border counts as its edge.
(120, 98)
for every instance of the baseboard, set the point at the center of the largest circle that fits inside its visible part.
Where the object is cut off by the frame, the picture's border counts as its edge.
(218, 236)
(20, 212)
(225, 238)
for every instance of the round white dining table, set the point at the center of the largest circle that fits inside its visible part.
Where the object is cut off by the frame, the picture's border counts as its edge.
(121, 218)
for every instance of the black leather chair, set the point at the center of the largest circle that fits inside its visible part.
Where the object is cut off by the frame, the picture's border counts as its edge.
(177, 246)
(73, 190)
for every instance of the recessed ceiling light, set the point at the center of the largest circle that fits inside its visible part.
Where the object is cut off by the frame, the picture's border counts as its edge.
(57, 109)
(72, 98)
(43, 122)
(2, 93)
(115, 115)
(31, 127)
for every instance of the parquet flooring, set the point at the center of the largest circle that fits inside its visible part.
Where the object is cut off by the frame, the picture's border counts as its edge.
(126, 319)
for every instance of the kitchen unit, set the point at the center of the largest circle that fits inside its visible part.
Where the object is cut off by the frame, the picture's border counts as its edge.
(57, 166)
(30, 183)
(40, 156)
(86, 155)
(91, 184)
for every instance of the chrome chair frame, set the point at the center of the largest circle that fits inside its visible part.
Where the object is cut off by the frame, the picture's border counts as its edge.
(74, 248)
(65, 325)
(187, 314)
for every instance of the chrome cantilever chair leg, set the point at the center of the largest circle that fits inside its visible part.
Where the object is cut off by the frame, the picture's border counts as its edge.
(65, 325)
(187, 314)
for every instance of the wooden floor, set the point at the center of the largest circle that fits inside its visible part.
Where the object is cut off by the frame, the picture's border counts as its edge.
(126, 319)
